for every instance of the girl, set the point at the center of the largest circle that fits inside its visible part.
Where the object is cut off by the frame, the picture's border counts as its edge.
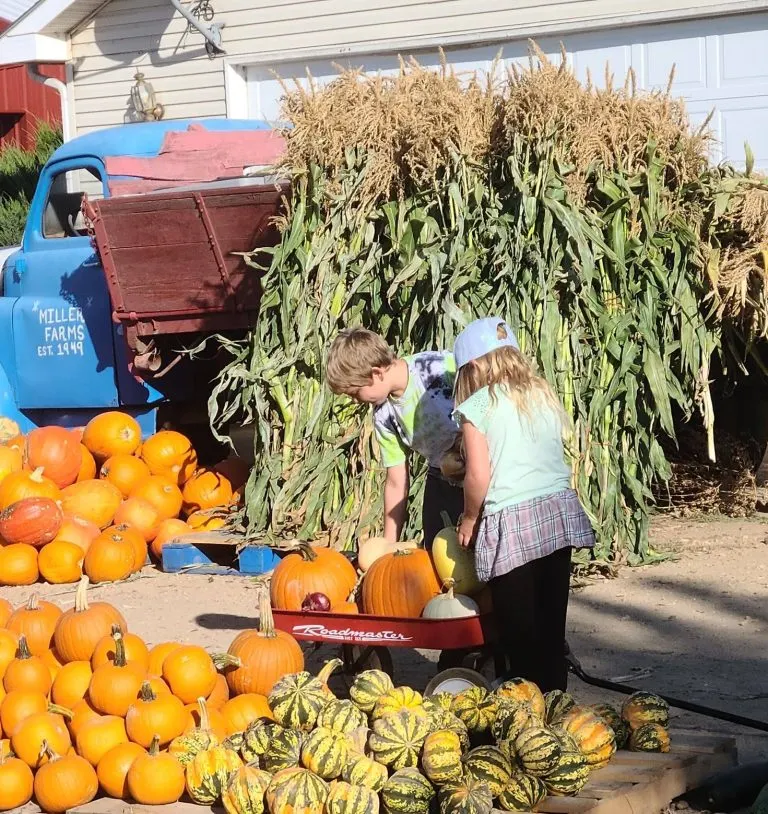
(520, 512)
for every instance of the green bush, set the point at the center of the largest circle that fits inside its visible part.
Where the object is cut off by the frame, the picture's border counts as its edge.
(19, 170)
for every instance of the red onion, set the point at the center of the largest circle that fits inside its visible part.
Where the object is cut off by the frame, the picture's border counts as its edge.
(316, 602)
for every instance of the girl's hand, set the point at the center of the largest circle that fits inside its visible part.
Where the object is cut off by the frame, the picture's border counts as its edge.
(466, 532)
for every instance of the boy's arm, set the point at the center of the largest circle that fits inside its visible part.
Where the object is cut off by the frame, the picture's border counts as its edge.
(395, 501)
(477, 479)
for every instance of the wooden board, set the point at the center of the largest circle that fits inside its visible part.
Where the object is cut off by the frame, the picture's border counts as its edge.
(217, 553)
(633, 783)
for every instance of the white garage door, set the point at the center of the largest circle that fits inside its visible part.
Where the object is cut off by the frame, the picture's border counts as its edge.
(721, 64)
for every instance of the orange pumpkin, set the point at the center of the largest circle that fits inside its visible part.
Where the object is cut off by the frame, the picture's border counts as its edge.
(157, 656)
(60, 563)
(52, 662)
(257, 658)
(220, 693)
(113, 768)
(32, 520)
(235, 470)
(242, 710)
(98, 736)
(18, 485)
(168, 530)
(111, 556)
(6, 609)
(349, 608)
(136, 539)
(140, 515)
(136, 651)
(156, 778)
(78, 531)
(112, 433)
(209, 720)
(125, 472)
(27, 672)
(87, 469)
(9, 644)
(205, 521)
(206, 489)
(18, 564)
(57, 452)
(82, 714)
(16, 782)
(312, 570)
(71, 683)
(190, 673)
(17, 706)
(42, 727)
(162, 493)
(36, 621)
(158, 686)
(16, 441)
(80, 629)
(152, 714)
(171, 454)
(116, 684)
(11, 460)
(400, 584)
(93, 500)
(64, 782)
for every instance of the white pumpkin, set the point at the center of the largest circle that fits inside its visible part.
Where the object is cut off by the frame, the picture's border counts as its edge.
(450, 606)
(370, 550)
(454, 562)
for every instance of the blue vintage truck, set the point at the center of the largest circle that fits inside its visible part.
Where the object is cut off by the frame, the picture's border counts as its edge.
(107, 287)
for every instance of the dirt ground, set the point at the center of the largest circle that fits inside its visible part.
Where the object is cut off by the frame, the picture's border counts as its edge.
(694, 627)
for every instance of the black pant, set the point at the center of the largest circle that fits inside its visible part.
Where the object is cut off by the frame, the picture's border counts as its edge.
(530, 604)
(439, 496)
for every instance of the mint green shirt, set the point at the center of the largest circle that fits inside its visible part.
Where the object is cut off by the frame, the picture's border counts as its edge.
(526, 453)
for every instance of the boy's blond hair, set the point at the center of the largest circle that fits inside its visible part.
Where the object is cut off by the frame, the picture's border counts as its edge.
(352, 357)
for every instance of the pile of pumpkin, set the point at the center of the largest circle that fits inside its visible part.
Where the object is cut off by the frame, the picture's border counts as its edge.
(94, 500)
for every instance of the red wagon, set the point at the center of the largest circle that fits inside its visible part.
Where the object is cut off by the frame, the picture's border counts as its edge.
(366, 640)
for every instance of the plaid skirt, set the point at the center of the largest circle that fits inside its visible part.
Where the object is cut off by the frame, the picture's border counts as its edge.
(528, 531)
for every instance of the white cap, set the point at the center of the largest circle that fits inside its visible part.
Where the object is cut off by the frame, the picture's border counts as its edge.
(481, 337)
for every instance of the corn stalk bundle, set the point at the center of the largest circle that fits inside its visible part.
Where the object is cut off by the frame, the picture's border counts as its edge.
(588, 218)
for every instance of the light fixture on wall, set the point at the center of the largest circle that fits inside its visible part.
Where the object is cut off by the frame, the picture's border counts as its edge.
(144, 101)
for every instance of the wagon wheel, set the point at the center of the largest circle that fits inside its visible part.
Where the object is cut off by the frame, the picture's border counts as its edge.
(357, 658)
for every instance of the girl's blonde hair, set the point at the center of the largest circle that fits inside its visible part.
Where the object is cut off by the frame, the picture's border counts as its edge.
(507, 368)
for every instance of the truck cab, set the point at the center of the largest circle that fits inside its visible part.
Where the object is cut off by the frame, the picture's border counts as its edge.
(63, 350)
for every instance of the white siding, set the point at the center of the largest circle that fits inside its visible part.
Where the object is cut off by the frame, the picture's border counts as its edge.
(127, 34)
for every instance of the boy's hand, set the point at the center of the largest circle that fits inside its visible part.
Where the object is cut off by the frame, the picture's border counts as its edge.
(466, 531)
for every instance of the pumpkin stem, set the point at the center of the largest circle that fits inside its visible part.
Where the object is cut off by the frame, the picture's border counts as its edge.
(81, 595)
(402, 552)
(33, 603)
(146, 693)
(120, 659)
(22, 652)
(37, 475)
(328, 668)
(47, 751)
(266, 620)
(205, 723)
(56, 709)
(306, 551)
(224, 660)
(448, 584)
(154, 747)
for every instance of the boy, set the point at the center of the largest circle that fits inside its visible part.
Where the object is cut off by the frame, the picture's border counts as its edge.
(412, 400)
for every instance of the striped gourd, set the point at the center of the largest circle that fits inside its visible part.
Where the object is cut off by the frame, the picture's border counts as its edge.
(362, 770)
(465, 796)
(341, 716)
(569, 776)
(489, 765)
(209, 772)
(368, 687)
(284, 750)
(645, 708)
(245, 792)
(438, 700)
(567, 741)
(407, 791)
(557, 705)
(537, 750)
(441, 719)
(325, 753)
(523, 792)
(613, 718)
(257, 738)
(441, 757)
(296, 791)
(186, 746)
(296, 700)
(344, 798)
(524, 692)
(511, 719)
(397, 738)
(475, 708)
(395, 700)
(233, 741)
(592, 734)
(649, 738)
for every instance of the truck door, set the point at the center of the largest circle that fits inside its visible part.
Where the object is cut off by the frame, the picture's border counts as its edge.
(62, 327)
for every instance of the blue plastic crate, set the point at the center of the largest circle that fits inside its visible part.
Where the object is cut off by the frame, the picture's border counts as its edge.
(217, 558)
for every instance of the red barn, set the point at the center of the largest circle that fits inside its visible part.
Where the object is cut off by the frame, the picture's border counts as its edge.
(23, 101)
